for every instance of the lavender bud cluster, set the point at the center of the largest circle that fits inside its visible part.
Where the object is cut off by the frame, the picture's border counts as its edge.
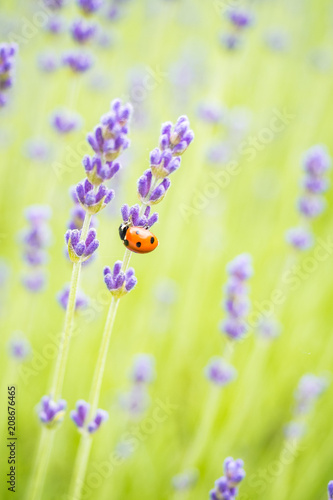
(35, 240)
(239, 19)
(65, 121)
(226, 487)
(118, 282)
(80, 416)
(51, 412)
(220, 372)
(316, 163)
(8, 52)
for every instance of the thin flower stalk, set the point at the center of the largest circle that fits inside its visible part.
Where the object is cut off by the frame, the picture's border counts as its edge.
(152, 187)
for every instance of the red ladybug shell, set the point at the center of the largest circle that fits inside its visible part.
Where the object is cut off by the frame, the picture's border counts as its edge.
(140, 240)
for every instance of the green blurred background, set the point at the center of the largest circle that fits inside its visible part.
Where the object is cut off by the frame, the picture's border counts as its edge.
(174, 312)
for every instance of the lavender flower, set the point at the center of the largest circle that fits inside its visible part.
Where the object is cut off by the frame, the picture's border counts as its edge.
(118, 282)
(300, 238)
(211, 112)
(83, 31)
(109, 138)
(55, 25)
(78, 61)
(8, 53)
(98, 171)
(219, 372)
(156, 195)
(35, 280)
(231, 41)
(37, 150)
(48, 62)
(81, 299)
(237, 303)
(316, 162)
(330, 490)
(176, 137)
(132, 215)
(51, 412)
(64, 121)
(78, 250)
(240, 18)
(93, 201)
(163, 163)
(100, 417)
(89, 6)
(143, 370)
(226, 487)
(19, 347)
(80, 415)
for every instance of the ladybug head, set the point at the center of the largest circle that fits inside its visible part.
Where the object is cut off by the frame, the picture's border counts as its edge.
(122, 231)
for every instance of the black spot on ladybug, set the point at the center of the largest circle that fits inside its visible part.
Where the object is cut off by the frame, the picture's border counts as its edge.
(137, 232)
(126, 243)
(138, 244)
(152, 239)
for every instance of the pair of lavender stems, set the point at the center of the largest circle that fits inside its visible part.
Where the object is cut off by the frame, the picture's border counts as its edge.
(108, 140)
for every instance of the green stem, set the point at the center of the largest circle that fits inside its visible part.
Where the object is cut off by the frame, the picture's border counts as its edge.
(86, 440)
(45, 445)
(43, 454)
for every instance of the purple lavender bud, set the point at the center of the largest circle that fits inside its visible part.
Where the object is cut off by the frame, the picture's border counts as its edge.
(81, 299)
(93, 201)
(316, 160)
(144, 183)
(134, 214)
(55, 25)
(211, 113)
(89, 6)
(80, 251)
(78, 61)
(268, 328)
(300, 238)
(35, 281)
(330, 490)
(234, 328)
(311, 206)
(233, 470)
(143, 370)
(19, 347)
(100, 417)
(83, 31)
(81, 413)
(240, 18)
(48, 62)
(37, 214)
(152, 220)
(64, 121)
(117, 282)
(160, 191)
(177, 138)
(125, 212)
(135, 401)
(237, 306)
(316, 185)
(219, 372)
(51, 412)
(163, 163)
(241, 267)
(231, 41)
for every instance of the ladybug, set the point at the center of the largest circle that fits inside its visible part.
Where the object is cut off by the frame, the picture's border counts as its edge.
(137, 239)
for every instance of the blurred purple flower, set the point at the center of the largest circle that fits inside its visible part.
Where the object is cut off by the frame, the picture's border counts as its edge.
(83, 31)
(81, 302)
(78, 61)
(51, 412)
(19, 347)
(64, 121)
(300, 238)
(143, 370)
(219, 372)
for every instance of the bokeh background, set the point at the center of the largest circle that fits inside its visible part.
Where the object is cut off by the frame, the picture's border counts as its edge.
(171, 58)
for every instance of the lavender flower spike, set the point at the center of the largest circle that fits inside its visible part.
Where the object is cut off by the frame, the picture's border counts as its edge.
(100, 417)
(83, 31)
(226, 486)
(80, 415)
(177, 138)
(51, 412)
(8, 53)
(98, 171)
(330, 490)
(300, 238)
(118, 282)
(93, 201)
(65, 121)
(132, 215)
(80, 251)
(162, 163)
(78, 61)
